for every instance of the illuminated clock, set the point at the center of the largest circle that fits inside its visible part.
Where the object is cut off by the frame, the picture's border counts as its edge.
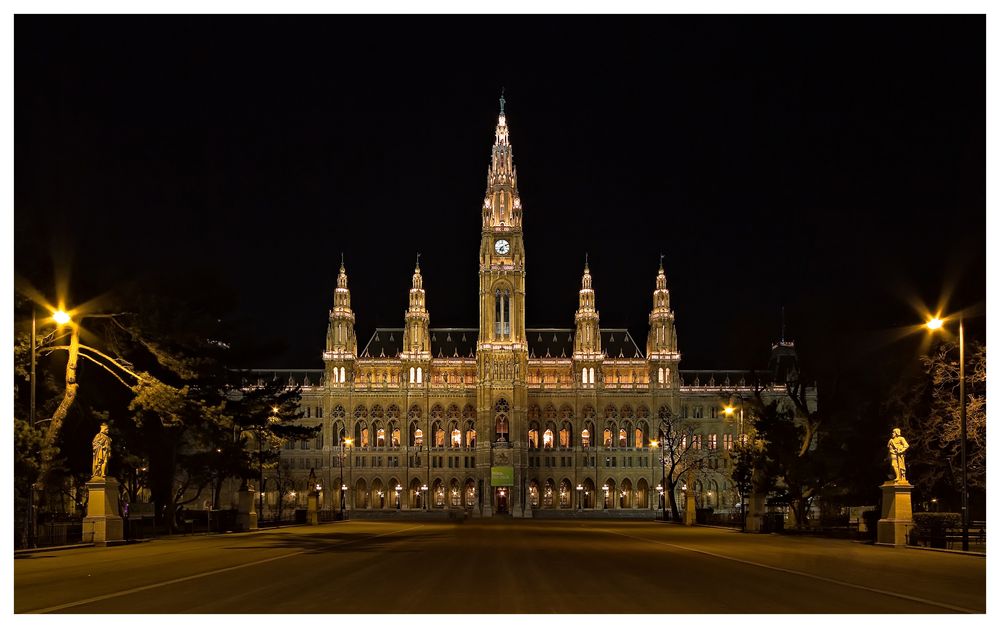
(502, 247)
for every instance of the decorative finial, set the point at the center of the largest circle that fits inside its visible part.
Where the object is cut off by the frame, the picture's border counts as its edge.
(341, 260)
(418, 260)
(782, 323)
(502, 100)
(661, 262)
(586, 262)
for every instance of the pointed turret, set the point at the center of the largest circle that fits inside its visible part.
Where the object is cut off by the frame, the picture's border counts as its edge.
(502, 205)
(587, 355)
(341, 344)
(661, 344)
(416, 338)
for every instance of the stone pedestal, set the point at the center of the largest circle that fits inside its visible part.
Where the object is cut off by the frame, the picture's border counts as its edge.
(689, 503)
(246, 514)
(312, 508)
(897, 513)
(103, 523)
(755, 512)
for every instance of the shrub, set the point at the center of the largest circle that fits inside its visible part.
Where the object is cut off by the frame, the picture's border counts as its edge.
(936, 522)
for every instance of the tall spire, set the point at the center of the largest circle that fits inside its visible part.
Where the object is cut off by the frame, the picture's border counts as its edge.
(587, 343)
(416, 338)
(662, 335)
(341, 344)
(502, 204)
(503, 101)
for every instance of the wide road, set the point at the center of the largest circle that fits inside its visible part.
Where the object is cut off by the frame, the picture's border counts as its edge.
(498, 566)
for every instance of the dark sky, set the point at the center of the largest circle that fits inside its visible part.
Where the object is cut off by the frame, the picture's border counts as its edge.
(833, 165)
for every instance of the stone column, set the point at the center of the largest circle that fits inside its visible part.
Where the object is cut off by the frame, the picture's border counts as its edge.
(755, 512)
(897, 513)
(102, 523)
(246, 514)
(689, 502)
(312, 505)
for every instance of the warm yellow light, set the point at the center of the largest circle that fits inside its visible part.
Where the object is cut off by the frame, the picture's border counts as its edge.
(348, 441)
(274, 409)
(934, 323)
(729, 410)
(654, 444)
(60, 317)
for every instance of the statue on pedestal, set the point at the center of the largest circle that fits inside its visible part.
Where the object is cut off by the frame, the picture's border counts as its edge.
(102, 452)
(897, 451)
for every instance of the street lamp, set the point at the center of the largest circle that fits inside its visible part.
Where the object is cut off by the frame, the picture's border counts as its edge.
(579, 496)
(605, 489)
(398, 489)
(423, 495)
(935, 324)
(348, 442)
(61, 318)
(340, 480)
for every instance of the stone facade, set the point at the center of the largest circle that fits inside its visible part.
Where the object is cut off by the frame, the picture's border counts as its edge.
(505, 419)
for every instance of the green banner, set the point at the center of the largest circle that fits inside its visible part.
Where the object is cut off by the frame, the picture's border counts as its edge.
(501, 476)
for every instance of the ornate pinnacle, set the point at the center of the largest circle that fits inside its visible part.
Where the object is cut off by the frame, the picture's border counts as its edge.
(502, 100)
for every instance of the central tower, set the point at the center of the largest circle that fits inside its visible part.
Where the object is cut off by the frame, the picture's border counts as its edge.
(502, 349)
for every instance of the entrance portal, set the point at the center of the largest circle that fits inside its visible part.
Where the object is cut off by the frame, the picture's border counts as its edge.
(502, 496)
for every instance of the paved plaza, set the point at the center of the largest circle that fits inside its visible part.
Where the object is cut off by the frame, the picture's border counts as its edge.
(498, 566)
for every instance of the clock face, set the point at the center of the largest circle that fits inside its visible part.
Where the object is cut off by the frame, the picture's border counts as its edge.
(502, 247)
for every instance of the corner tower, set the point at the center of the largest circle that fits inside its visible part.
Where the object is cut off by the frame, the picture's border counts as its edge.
(416, 352)
(341, 344)
(661, 344)
(502, 349)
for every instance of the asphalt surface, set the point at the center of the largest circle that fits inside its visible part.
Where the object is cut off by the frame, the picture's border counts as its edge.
(498, 566)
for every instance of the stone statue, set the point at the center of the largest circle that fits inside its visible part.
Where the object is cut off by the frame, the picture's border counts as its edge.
(897, 451)
(102, 452)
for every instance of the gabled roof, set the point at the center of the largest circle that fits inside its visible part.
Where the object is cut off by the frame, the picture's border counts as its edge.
(460, 342)
(556, 342)
(446, 342)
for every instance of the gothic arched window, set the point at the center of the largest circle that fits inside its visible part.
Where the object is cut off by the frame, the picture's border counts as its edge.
(502, 420)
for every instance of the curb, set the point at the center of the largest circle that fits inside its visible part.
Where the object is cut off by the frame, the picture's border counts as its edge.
(54, 548)
(945, 551)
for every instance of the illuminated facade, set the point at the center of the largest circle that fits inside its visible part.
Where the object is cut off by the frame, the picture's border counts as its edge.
(506, 419)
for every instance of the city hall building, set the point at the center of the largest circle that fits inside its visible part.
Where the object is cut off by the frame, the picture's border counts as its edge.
(505, 419)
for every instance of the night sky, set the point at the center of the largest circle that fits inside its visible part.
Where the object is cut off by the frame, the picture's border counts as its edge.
(831, 165)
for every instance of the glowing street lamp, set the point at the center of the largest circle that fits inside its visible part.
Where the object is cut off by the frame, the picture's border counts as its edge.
(579, 496)
(423, 495)
(933, 325)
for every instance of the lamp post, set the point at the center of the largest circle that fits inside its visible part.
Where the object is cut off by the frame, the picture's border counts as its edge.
(423, 495)
(579, 497)
(933, 325)
(398, 489)
(348, 442)
(61, 318)
(343, 487)
(605, 488)
(653, 444)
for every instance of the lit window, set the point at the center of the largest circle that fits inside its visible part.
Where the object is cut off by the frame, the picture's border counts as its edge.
(456, 438)
(696, 441)
(607, 437)
(591, 376)
(638, 437)
(418, 437)
(364, 437)
(712, 441)
(547, 439)
(727, 441)
(380, 437)
(413, 375)
(583, 375)
(342, 379)
(533, 439)
(660, 378)
(622, 438)
(335, 375)
(420, 375)
(585, 435)
(564, 437)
